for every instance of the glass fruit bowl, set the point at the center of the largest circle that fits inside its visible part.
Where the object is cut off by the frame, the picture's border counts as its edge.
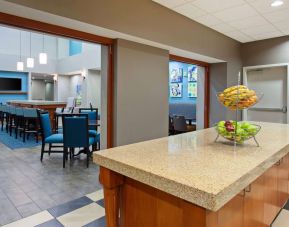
(242, 99)
(237, 131)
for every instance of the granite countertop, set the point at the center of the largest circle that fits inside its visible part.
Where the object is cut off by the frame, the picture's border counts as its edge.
(37, 102)
(193, 167)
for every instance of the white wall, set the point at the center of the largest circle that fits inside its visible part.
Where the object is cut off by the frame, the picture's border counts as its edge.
(93, 84)
(63, 89)
(10, 43)
(86, 60)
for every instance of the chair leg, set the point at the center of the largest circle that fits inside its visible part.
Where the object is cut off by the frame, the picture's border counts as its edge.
(64, 156)
(42, 151)
(49, 149)
(24, 131)
(87, 156)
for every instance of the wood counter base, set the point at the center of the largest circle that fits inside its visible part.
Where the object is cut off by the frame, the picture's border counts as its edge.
(129, 203)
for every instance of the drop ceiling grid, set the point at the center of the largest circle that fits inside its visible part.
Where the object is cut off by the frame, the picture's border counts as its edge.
(242, 20)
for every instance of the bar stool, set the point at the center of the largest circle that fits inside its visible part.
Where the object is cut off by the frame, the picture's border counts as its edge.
(30, 123)
(12, 118)
(19, 121)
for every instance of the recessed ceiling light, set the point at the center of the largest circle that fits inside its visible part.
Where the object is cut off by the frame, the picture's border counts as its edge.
(277, 3)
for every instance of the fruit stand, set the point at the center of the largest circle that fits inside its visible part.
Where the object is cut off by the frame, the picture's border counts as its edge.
(237, 98)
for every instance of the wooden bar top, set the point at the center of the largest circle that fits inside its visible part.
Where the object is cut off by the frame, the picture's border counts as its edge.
(193, 167)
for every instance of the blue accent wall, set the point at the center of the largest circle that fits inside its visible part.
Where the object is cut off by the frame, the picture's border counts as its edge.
(24, 79)
(184, 98)
(75, 47)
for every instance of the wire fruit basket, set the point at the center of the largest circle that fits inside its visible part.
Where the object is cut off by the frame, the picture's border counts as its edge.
(238, 98)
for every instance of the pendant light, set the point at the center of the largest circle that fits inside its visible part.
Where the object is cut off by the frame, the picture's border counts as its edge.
(20, 64)
(42, 55)
(30, 60)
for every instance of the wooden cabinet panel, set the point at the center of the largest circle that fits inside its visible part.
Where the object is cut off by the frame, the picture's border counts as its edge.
(282, 182)
(254, 204)
(232, 213)
(270, 194)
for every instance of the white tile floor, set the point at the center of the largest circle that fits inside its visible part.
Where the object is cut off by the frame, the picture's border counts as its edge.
(282, 220)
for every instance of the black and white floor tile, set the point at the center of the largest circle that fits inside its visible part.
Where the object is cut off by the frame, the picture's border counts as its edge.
(87, 211)
(282, 220)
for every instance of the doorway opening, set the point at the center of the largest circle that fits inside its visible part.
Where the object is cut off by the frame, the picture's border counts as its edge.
(272, 82)
(188, 95)
(77, 39)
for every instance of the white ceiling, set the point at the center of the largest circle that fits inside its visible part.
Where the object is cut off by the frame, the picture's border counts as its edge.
(242, 20)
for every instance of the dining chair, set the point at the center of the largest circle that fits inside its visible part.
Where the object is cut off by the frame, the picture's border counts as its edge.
(179, 124)
(47, 136)
(30, 123)
(76, 134)
(93, 129)
(171, 126)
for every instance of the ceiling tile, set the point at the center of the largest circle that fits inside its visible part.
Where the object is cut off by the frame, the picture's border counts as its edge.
(248, 22)
(208, 20)
(259, 30)
(282, 25)
(276, 16)
(217, 5)
(242, 20)
(239, 36)
(236, 13)
(264, 6)
(170, 3)
(223, 28)
(268, 35)
(189, 10)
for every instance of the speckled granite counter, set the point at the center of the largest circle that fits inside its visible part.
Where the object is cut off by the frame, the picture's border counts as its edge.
(192, 167)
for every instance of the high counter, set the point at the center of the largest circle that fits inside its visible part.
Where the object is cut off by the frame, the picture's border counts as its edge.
(192, 169)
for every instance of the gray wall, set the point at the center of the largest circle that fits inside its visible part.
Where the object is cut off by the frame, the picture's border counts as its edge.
(141, 93)
(270, 51)
(38, 89)
(218, 80)
(49, 91)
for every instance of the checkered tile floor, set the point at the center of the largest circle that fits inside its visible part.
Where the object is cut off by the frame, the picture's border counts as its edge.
(86, 211)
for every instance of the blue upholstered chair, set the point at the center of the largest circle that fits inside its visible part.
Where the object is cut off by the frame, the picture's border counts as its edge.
(48, 137)
(76, 134)
(93, 130)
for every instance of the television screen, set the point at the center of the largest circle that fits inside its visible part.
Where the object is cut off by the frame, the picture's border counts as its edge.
(10, 84)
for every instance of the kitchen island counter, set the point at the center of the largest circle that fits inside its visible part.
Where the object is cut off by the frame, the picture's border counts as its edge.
(193, 168)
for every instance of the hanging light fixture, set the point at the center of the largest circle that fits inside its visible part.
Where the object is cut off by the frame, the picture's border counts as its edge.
(30, 60)
(42, 55)
(20, 64)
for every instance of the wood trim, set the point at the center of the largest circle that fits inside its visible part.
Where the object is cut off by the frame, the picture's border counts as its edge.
(207, 98)
(29, 24)
(188, 60)
(110, 93)
(207, 83)
(13, 93)
(25, 23)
